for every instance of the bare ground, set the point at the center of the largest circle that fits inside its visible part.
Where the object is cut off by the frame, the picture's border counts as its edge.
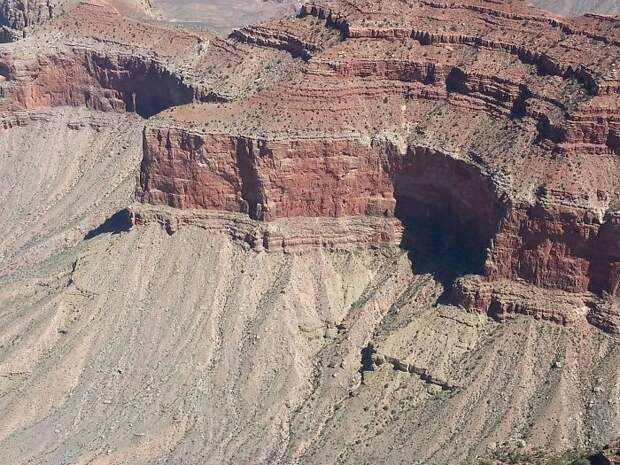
(144, 348)
(579, 7)
(222, 16)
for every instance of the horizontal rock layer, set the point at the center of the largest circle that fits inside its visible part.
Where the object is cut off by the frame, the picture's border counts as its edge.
(100, 82)
(504, 299)
(290, 236)
(507, 141)
(546, 243)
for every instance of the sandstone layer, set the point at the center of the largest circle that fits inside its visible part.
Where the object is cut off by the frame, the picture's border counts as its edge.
(497, 124)
(314, 193)
(494, 122)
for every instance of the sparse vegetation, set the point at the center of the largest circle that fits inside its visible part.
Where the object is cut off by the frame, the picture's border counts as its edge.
(506, 455)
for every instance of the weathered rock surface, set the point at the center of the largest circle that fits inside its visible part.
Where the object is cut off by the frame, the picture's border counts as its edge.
(511, 144)
(509, 141)
(229, 324)
(504, 298)
(19, 16)
(16, 15)
(290, 236)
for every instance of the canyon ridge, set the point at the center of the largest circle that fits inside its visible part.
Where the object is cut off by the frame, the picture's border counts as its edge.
(339, 231)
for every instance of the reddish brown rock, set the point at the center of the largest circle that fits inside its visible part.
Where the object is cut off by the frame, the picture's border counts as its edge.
(95, 56)
(494, 123)
(504, 299)
(553, 245)
(508, 141)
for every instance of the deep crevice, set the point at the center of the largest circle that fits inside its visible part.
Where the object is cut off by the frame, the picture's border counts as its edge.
(250, 186)
(145, 87)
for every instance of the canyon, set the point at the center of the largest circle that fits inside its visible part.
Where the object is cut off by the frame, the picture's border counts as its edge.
(539, 205)
(199, 216)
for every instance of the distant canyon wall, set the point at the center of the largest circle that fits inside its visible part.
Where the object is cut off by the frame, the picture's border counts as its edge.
(98, 81)
(16, 15)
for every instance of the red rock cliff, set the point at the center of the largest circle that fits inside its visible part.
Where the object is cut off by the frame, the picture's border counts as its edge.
(505, 139)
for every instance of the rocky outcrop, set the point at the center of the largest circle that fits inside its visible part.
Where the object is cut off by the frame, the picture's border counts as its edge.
(522, 223)
(265, 179)
(554, 245)
(17, 15)
(106, 61)
(505, 145)
(289, 236)
(405, 367)
(318, 178)
(594, 128)
(605, 314)
(545, 243)
(278, 39)
(99, 81)
(503, 299)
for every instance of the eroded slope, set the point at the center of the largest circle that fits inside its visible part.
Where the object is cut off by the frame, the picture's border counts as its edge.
(259, 309)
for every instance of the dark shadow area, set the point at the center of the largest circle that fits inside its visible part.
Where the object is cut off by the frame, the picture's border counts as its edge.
(116, 224)
(250, 185)
(446, 253)
(367, 362)
(599, 459)
(145, 86)
(450, 211)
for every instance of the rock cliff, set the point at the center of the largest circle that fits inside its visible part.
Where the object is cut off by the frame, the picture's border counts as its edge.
(16, 15)
(495, 125)
(275, 226)
(510, 142)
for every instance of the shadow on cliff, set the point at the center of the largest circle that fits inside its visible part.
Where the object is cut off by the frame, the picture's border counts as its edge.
(451, 212)
(445, 251)
(116, 224)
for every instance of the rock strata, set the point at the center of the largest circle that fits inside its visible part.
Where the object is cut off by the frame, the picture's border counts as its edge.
(404, 128)
(494, 124)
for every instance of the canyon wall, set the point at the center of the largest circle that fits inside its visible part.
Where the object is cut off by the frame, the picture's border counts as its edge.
(545, 243)
(98, 81)
(505, 144)
(557, 246)
(16, 15)
(266, 179)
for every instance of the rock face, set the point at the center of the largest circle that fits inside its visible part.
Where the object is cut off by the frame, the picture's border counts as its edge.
(95, 56)
(100, 82)
(102, 76)
(495, 125)
(16, 15)
(555, 246)
(538, 203)
(313, 194)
